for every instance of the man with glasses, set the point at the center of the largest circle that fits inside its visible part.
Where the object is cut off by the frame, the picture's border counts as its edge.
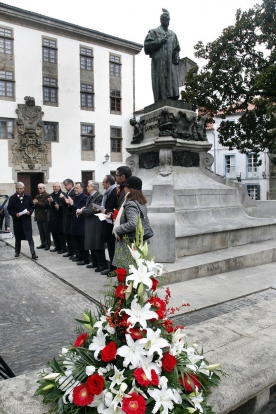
(121, 176)
(41, 217)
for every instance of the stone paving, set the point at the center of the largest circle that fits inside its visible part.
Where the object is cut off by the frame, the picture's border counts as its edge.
(37, 313)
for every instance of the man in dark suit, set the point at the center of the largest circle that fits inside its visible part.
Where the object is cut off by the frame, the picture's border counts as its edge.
(122, 175)
(67, 215)
(109, 202)
(56, 220)
(21, 207)
(41, 217)
(94, 227)
(77, 224)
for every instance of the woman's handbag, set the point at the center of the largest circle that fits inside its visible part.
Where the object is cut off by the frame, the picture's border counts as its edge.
(148, 233)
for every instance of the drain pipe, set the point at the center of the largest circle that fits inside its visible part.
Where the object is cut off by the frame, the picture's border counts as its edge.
(215, 155)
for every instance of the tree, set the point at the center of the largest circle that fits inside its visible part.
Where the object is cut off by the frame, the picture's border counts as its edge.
(240, 76)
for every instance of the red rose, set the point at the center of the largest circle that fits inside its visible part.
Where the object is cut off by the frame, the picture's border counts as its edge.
(109, 352)
(121, 274)
(168, 362)
(95, 384)
(80, 341)
(190, 382)
(154, 284)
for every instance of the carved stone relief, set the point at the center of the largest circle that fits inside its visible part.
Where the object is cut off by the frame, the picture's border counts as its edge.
(30, 152)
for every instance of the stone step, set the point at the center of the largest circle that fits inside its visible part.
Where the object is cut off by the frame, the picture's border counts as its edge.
(220, 261)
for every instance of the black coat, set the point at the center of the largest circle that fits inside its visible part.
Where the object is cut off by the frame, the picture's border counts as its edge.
(22, 226)
(67, 212)
(110, 204)
(56, 218)
(77, 223)
(93, 225)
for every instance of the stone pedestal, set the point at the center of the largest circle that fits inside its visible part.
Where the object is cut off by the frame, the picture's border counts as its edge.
(191, 211)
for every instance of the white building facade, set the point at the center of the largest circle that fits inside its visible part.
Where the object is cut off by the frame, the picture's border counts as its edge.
(239, 167)
(84, 82)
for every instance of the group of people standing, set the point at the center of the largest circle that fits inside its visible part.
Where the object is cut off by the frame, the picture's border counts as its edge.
(71, 217)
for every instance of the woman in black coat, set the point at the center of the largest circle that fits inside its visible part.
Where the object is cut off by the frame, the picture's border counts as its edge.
(22, 223)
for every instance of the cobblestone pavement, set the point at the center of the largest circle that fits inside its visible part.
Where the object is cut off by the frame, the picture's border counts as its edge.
(37, 313)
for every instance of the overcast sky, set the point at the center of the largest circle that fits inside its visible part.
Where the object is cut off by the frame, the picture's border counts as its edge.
(191, 20)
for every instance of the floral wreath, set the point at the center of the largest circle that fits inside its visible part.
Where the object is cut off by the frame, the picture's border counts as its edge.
(130, 358)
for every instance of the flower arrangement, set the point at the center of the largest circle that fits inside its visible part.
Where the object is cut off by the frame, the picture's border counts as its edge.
(130, 358)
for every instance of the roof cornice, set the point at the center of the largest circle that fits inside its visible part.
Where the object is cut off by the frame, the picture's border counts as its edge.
(40, 22)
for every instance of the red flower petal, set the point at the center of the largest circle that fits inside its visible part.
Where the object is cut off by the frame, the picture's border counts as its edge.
(82, 396)
(80, 341)
(134, 404)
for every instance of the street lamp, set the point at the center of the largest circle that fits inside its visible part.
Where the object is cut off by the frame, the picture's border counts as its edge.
(107, 156)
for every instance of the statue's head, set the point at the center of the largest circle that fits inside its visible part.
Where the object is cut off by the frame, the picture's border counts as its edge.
(132, 121)
(165, 18)
(30, 100)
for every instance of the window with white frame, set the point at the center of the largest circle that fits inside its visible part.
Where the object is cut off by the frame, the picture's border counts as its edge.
(230, 166)
(252, 168)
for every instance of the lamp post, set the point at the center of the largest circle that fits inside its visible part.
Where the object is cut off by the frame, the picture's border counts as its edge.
(107, 156)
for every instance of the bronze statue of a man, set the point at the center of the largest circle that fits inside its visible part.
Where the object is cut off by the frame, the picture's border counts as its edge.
(163, 47)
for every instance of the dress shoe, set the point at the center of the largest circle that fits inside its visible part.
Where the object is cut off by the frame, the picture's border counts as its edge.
(34, 256)
(16, 254)
(61, 251)
(77, 259)
(53, 250)
(42, 246)
(73, 257)
(82, 262)
(47, 248)
(100, 269)
(105, 272)
(91, 266)
(67, 255)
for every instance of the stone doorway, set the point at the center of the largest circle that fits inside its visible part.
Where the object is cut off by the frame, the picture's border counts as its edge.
(31, 180)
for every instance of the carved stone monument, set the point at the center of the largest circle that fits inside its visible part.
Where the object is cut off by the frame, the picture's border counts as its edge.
(29, 152)
(191, 209)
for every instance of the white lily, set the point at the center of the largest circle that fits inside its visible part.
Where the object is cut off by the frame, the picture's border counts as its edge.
(98, 343)
(153, 342)
(193, 357)
(99, 401)
(134, 252)
(139, 314)
(157, 268)
(119, 396)
(148, 365)
(117, 378)
(163, 398)
(140, 275)
(195, 399)
(51, 376)
(131, 352)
